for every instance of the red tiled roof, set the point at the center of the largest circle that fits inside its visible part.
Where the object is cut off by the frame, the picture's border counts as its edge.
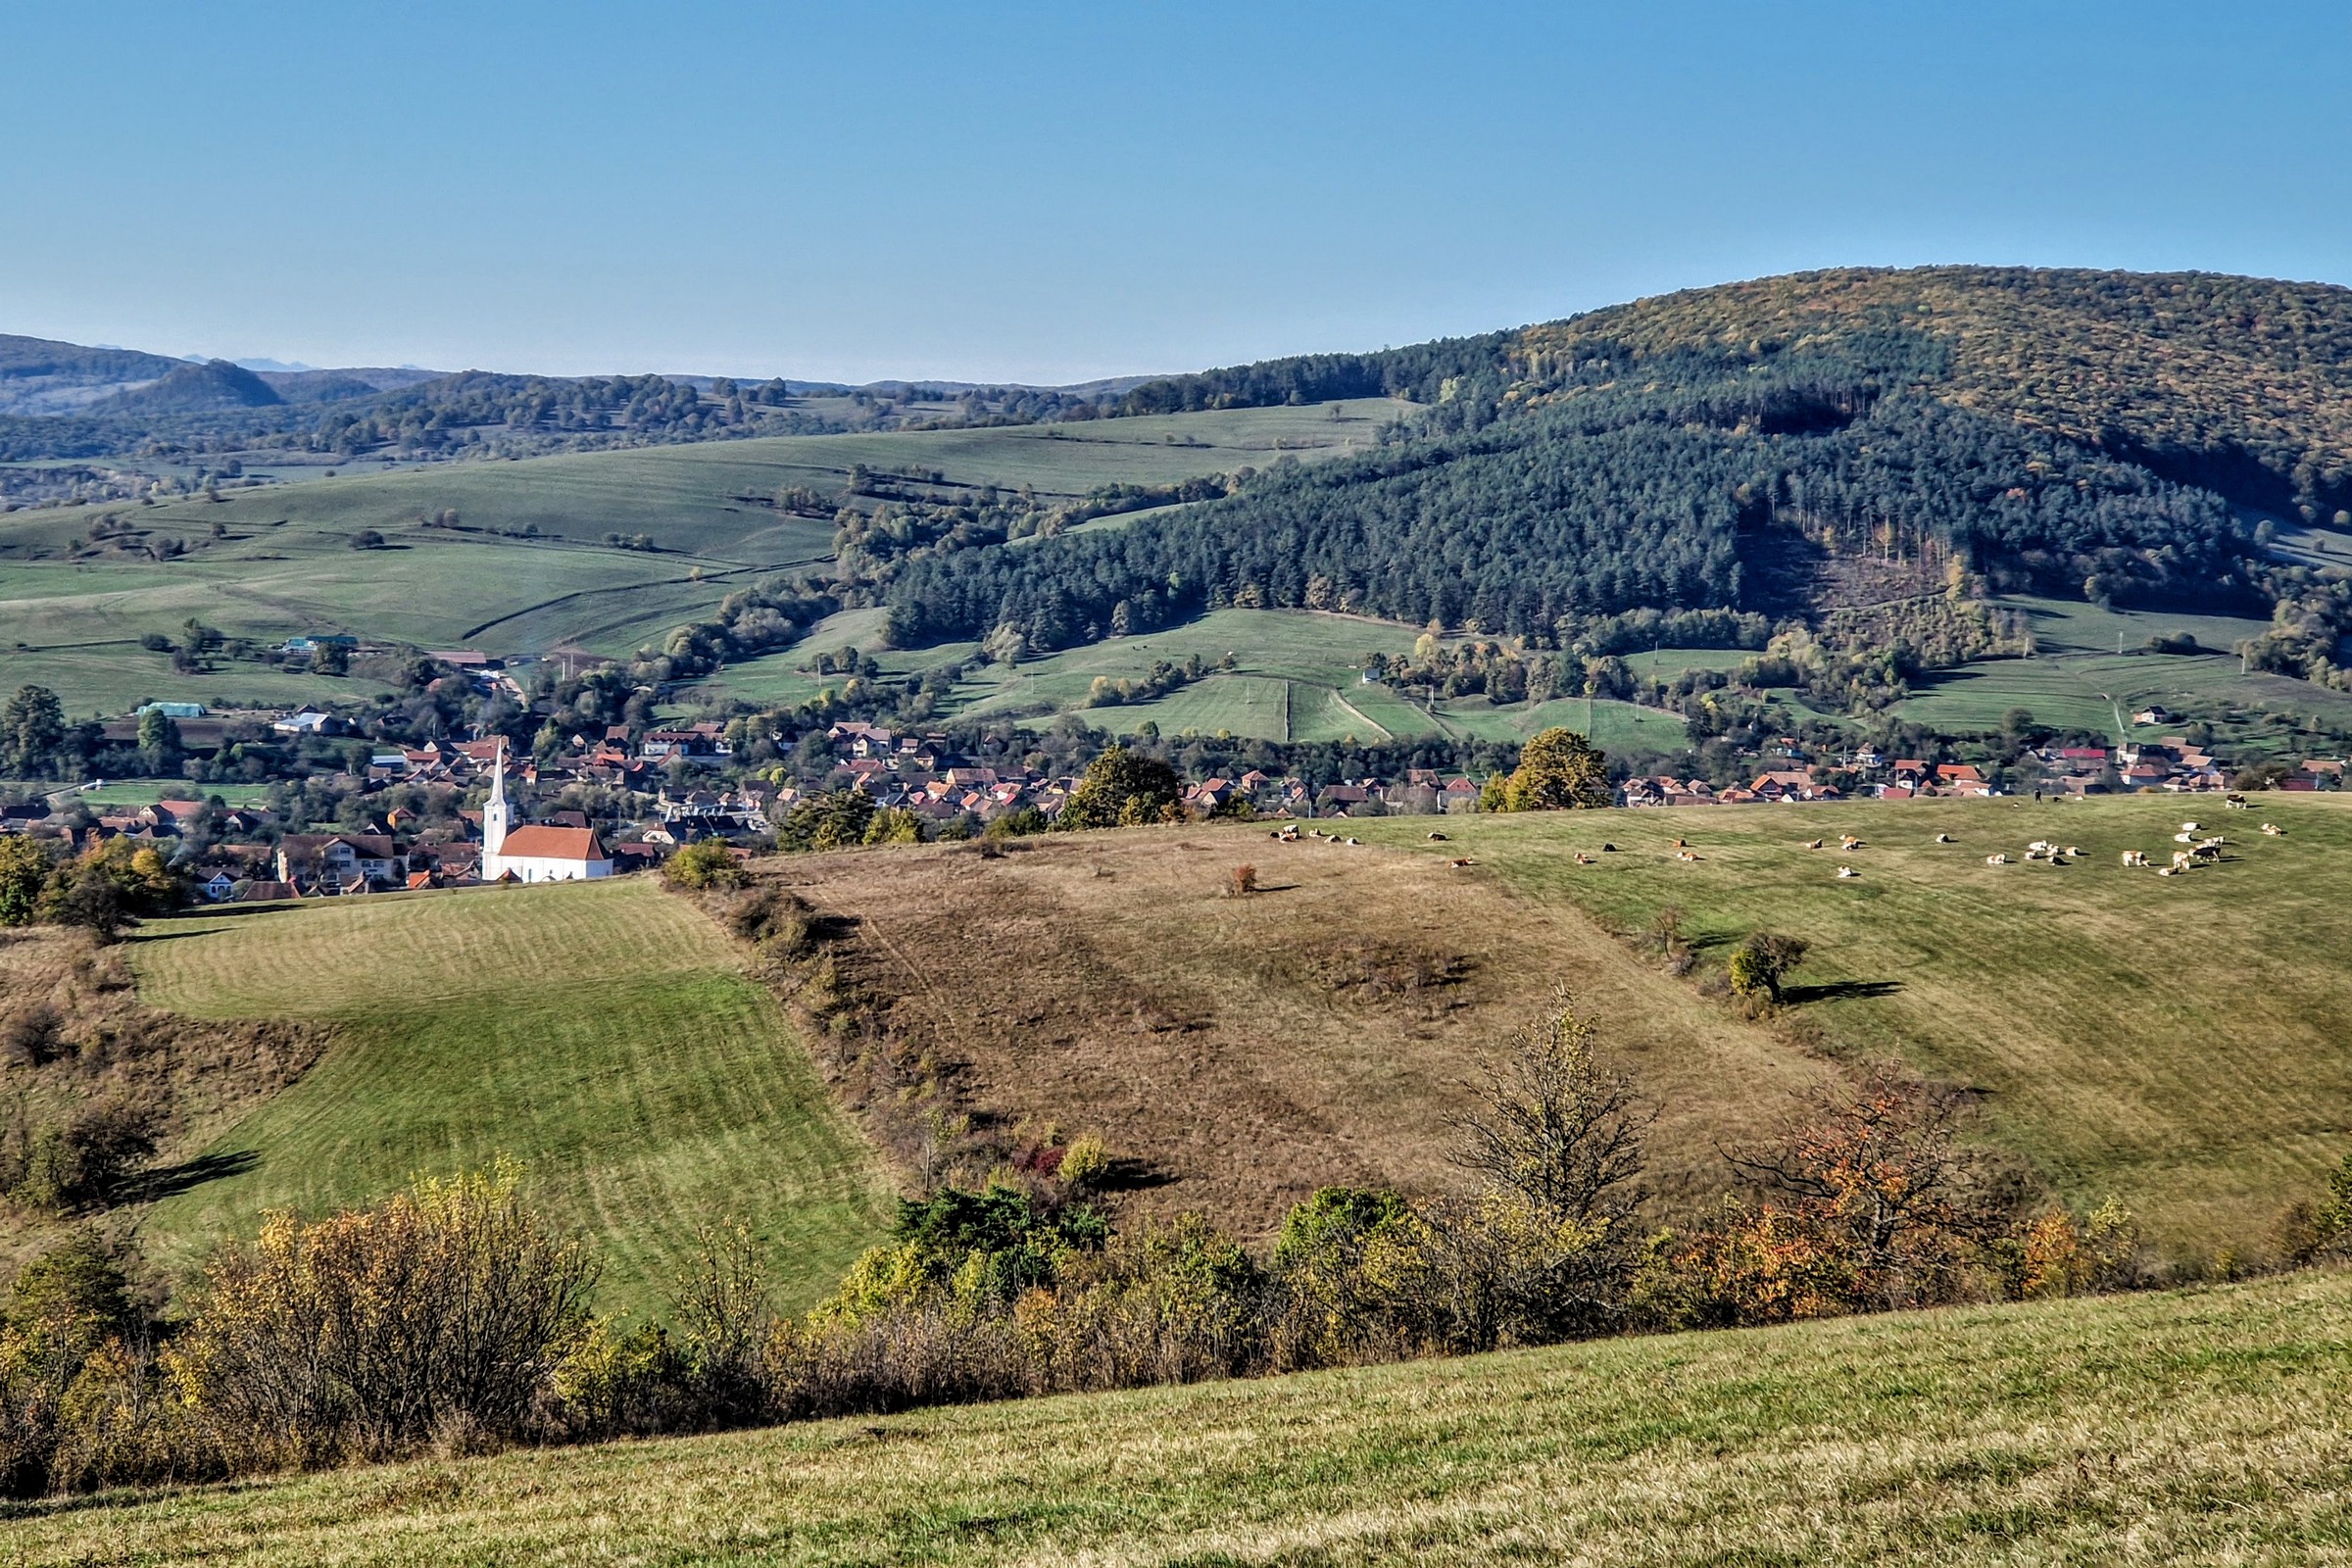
(543, 843)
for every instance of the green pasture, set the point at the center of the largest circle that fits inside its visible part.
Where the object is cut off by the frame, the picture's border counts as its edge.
(2071, 626)
(602, 1033)
(283, 562)
(2178, 1426)
(2183, 1043)
(2088, 691)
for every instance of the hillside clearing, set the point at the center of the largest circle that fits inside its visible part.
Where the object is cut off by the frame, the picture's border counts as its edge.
(602, 1033)
(2178, 1042)
(283, 562)
(2177, 1427)
(1240, 1053)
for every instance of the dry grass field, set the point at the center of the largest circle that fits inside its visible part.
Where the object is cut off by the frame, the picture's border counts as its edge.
(602, 1033)
(2196, 1426)
(2184, 1042)
(1243, 1051)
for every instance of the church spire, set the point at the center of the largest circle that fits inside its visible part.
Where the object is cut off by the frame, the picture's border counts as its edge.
(494, 814)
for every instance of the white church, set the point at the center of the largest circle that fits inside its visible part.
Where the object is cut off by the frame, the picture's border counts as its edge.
(535, 851)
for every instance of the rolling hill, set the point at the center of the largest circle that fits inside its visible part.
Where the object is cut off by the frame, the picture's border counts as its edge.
(603, 1033)
(528, 569)
(2178, 1426)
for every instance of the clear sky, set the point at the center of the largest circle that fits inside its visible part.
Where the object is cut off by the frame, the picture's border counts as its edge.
(1047, 193)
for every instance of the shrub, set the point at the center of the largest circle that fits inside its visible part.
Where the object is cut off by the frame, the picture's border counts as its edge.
(23, 873)
(1240, 882)
(708, 865)
(775, 919)
(1084, 1164)
(85, 1161)
(439, 1315)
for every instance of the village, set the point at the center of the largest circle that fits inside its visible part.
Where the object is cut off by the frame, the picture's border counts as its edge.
(453, 813)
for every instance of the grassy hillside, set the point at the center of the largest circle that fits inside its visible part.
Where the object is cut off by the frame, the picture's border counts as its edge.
(1237, 1054)
(2178, 1041)
(1294, 679)
(287, 564)
(602, 1033)
(2172, 1428)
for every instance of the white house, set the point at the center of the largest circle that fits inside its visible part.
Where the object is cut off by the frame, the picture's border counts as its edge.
(535, 851)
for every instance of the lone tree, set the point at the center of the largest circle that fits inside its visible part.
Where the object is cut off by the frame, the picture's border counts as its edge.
(1760, 964)
(1558, 770)
(1555, 1126)
(1122, 789)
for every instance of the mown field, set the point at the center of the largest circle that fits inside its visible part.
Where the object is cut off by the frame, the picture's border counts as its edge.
(2178, 1042)
(2190, 1427)
(2091, 691)
(1295, 677)
(284, 562)
(602, 1033)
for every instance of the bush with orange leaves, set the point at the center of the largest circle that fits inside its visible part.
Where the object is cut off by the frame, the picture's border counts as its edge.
(1867, 1200)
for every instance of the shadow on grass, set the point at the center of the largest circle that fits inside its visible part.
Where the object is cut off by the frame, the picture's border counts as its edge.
(1838, 991)
(171, 1180)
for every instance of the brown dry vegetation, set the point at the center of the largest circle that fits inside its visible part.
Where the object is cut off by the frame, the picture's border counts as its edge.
(1237, 1052)
(77, 1034)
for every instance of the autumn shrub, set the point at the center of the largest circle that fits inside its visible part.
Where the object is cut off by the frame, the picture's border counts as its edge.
(83, 1158)
(1085, 1163)
(1240, 882)
(776, 921)
(708, 865)
(437, 1317)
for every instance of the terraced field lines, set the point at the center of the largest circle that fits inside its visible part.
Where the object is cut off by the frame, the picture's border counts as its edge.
(603, 1033)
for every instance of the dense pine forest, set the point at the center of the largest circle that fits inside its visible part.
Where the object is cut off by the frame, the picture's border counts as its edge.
(2115, 437)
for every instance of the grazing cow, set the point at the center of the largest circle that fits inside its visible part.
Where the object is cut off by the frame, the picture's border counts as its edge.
(2073, 854)
(1849, 841)
(2274, 832)
(1437, 838)
(2239, 802)
(2184, 838)
(1355, 840)
(2170, 870)
(1847, 870)
(1943, 838)
(2135, 858)
(1459, 863)
(1997, 859)
(1814, 843)
(1581, 859)
(1686, 855)
(2189, 827)
(1680, 845)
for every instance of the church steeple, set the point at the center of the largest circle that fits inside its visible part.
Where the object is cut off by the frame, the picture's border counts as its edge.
(495, 814)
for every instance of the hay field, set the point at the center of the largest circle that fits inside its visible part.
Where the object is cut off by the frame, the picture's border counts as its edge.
(1242, 1053)
(603, 1033)
(2191, 1426)
(2184, 1042)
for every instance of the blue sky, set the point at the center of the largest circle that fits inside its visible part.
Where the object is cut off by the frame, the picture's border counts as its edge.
(1047, 193)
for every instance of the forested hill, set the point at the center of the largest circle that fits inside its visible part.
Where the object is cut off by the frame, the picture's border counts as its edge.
(2098, 435)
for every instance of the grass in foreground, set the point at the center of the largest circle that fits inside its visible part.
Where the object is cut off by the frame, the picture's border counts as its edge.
(2178, 1042)
(602, 1033)
(2179, 1427)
